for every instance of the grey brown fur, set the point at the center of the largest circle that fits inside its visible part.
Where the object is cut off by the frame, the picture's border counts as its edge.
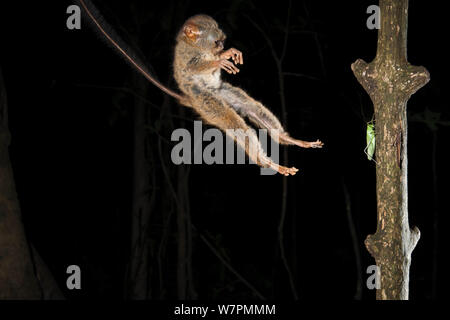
(199, 59)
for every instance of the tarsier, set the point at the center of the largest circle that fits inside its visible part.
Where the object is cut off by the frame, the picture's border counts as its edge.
(199, 59)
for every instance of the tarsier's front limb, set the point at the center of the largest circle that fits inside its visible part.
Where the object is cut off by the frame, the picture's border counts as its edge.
(260, 115)
(198, 66)
(234, 54)
(219, 114)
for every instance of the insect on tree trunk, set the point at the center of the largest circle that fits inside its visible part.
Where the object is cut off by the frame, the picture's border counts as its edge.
(390, 81)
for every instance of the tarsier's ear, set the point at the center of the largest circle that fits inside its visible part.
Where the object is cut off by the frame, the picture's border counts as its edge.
(191, 31)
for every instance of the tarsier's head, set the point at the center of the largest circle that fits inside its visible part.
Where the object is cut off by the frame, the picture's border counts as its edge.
(203, 32)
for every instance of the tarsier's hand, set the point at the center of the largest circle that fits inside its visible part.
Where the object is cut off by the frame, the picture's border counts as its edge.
(233, 53)
(228, 66)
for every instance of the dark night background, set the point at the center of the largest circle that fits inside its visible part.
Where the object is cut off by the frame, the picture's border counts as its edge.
(72, 114)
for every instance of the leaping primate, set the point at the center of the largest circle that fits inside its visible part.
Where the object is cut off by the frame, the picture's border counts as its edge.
(199, 59)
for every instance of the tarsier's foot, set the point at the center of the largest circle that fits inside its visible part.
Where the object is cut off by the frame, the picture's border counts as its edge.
(310, 144)
(304, 144)
(286, 171)
(280, 169)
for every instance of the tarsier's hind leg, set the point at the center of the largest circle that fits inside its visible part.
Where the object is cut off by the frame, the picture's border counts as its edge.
(262, 117)
(248, 107)
(219, 114)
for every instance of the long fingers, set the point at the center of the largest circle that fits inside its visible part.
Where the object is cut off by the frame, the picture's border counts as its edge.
(234, 54)
(237, 56)
(317, 144)
(285, 171)
(228, 66)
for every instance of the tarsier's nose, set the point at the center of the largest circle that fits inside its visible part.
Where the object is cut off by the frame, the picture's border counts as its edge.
(219, 43)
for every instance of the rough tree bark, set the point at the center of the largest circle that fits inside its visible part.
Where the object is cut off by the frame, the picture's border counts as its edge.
(390, 81)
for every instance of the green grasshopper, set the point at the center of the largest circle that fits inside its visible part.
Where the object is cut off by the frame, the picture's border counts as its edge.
(369, 150)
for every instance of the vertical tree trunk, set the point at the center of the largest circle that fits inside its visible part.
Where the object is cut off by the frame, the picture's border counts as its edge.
(139, 272)
(17, 279)
(390, 81)
(182, 239)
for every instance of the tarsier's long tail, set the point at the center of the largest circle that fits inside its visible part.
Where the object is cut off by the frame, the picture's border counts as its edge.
(107, 32)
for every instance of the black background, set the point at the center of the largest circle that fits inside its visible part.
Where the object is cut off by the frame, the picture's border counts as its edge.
(71, 104)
